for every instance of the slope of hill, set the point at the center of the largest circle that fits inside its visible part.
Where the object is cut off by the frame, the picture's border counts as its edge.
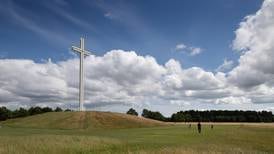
(82, 120)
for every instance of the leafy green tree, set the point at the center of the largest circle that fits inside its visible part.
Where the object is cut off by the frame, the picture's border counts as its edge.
(58, 109)
(68, 110)
(4, 113)
(153, 115)
(131, 111)
(178, 118)
(35, 110)
(47, 109)
(21, 112)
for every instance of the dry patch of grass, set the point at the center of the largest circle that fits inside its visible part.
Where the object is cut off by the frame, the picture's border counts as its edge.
(82, 120)
(118, 120)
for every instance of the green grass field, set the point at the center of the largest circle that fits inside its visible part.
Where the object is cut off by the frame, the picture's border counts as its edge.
(28, 135)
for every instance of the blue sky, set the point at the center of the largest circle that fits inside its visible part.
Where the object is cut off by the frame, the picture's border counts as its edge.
(156, 54)
(46, 29)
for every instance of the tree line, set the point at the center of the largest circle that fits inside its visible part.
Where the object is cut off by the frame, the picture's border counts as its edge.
(210, 116)
(21, 112)
(222, 116)
(181, 116)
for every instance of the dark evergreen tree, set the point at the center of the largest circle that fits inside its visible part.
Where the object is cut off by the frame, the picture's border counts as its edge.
(68, 110)
(47, 109)
(131, 111)
(153, 115)
(4, 113)
(21, 112)
(222, 116)
(35, 110)
(58, 109)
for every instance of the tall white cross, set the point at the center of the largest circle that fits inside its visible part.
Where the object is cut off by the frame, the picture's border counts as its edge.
(83, 53)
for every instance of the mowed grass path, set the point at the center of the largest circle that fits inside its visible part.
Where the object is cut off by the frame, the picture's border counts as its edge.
(160, 139)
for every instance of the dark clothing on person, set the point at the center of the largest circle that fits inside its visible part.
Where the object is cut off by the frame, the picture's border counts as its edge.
(189, 126)
(211, 126)
(199, 127)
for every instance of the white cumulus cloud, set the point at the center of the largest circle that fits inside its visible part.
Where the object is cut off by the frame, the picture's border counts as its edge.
(118, 77)
(255, 40)
(191, 50)
(226, 66)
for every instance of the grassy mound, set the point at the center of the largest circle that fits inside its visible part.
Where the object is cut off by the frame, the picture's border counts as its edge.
(82, 120)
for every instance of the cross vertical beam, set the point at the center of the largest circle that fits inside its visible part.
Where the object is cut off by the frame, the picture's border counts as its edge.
(81, 76)
(82, 53)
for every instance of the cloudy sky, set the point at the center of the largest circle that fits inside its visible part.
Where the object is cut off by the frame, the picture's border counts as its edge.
(160, 55)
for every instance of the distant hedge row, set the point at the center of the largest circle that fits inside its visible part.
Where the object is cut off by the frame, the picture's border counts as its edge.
(21, 112)
(212, 116)
(182, 116)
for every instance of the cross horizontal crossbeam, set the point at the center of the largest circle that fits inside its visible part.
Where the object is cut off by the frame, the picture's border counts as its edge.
(77, 49)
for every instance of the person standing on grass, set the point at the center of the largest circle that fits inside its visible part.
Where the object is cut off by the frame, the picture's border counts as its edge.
(199, 127)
